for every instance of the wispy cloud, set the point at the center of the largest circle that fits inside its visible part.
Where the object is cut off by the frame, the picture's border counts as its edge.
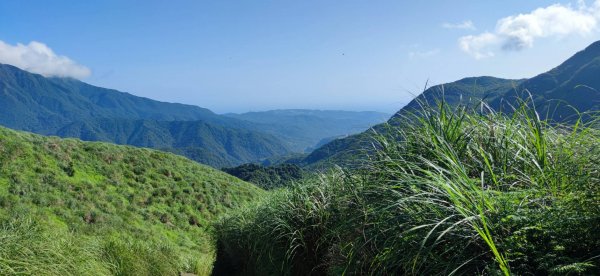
(465, 25)
(38, 58)
(517, 32)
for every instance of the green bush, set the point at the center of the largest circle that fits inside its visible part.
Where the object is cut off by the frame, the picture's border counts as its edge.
(450, 191)
(77, 208)
(29, 248)
(269, 177)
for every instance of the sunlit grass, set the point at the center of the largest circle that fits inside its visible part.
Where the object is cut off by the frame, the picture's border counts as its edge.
(69, 207)
(452, 190)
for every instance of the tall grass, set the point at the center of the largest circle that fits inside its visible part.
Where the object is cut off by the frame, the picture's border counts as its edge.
(452, 190)
(30, 247)
(77, 208)
(27, 248)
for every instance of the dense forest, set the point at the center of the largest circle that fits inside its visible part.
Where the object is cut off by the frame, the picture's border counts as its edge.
(269, 177)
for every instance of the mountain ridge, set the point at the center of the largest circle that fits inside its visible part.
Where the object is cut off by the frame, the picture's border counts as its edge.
(575, 83)
(71, 108)
(305, 128)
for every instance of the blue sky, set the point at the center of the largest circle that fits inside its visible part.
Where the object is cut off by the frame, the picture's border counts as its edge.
(235, 56)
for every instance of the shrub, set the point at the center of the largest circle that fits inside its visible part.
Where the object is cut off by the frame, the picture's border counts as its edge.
(449, 191)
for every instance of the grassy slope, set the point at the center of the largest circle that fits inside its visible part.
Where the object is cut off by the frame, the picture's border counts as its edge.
(451, 192)
(129, 210)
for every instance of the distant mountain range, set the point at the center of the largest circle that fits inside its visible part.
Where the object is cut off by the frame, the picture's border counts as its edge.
(303, 129)
(71, 108)
(559, 95)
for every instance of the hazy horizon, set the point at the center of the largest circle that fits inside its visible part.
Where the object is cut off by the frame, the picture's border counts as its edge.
(265, 55)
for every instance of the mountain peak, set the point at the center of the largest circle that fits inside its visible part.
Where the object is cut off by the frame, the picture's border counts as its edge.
(578, 60)
(593, 47)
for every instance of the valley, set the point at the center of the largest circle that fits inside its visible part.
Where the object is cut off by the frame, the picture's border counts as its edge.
(299, 138)
(70, 108)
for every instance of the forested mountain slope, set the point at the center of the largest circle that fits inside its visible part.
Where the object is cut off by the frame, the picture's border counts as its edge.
(70, 108)
(561, 94)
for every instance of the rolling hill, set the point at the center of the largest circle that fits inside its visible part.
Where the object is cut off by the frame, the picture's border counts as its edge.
(556, 94)
(210, 144)
(35, 103)
(70, 108)
(121, 208)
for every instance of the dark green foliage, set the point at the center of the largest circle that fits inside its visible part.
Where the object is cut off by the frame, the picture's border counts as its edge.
(351, 151)
(70, 108)
(452, 191)
(129, 211)
(35, 103)
(206, 143)
(561, 93)
(304, 130)
(292, 158)
(267, 177)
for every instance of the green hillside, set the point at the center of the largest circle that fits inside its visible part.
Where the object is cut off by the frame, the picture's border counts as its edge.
(561, 94)
(210, 144)
(304, 129)
(35, 103)
(450, 192)
(90, 208)
(352, 150)
(71, 108)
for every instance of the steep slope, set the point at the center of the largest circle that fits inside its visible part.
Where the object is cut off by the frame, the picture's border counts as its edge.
(466, 193)
(206, 143)
(70, 108)
(122, 204)
(560, 94)
(303, 129)
(574, 84)
(469, 91)
(33, 102)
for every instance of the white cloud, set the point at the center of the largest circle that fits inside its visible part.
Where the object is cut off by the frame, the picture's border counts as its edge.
(465, 25)
(520, 31)
(478, 45)
(38, 58)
